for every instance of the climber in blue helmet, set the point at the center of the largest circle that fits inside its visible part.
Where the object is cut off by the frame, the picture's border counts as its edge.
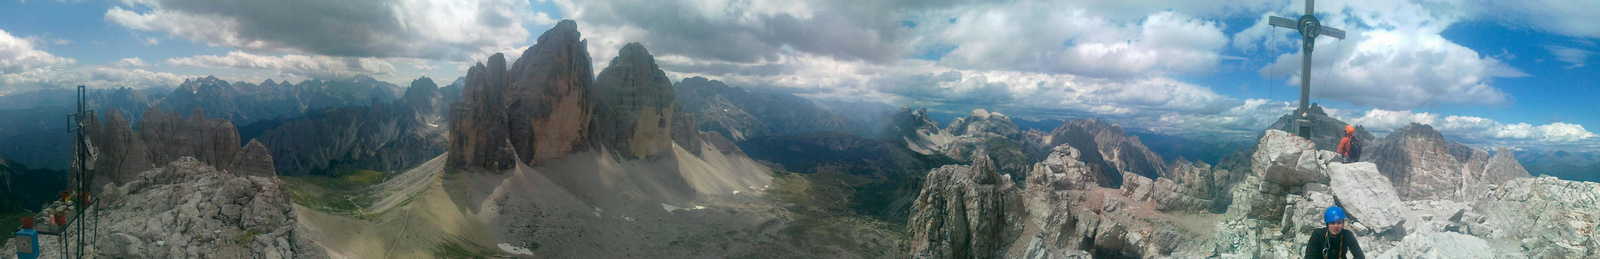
(1333, 241)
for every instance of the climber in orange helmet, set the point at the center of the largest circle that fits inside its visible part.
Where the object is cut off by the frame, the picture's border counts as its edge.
(1350, 146)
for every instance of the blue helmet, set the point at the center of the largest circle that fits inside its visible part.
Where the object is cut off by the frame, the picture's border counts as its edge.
(1332, 214)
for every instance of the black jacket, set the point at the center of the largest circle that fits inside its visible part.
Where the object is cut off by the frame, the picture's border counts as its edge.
(1322, 246)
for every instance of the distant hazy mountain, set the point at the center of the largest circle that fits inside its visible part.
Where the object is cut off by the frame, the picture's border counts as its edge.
(866, 113)
(1576, 166)
(35, 132)
(1045, 125)
(1173, 147)
(246, 103)
(741, 114)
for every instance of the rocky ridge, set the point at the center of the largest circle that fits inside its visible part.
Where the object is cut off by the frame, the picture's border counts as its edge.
(1107, 148)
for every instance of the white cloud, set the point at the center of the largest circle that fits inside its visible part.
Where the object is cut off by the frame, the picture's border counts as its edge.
(434, 29)
(313, 66)
(130, 62)
(1379, 120)
(543, 19)
(1576, 57)
(1480, 131)
(18, 55)
(60, 41)
(1060, 38)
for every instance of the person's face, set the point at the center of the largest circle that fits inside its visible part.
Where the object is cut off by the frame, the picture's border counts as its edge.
(1336, 226)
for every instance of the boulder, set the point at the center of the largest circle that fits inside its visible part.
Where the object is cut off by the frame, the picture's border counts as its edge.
(1137, 187)
(120, 245)
(1288, 160)
(1364, 194)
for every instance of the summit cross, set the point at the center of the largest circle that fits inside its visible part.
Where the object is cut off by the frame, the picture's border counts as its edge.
(1309, 28)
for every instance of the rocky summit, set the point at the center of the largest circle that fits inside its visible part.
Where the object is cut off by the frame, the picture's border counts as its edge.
(188, 209)
(638, 108)
(541, 109)
(965, 212)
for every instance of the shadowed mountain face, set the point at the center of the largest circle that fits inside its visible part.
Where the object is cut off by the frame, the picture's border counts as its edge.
(742, 114)
(26, 188)
(382, 137)
(639, 114)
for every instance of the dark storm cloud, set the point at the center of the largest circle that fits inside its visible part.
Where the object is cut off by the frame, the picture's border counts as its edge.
(361, 28)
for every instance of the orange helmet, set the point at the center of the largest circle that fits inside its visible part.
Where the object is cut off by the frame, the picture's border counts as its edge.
(1348, 129)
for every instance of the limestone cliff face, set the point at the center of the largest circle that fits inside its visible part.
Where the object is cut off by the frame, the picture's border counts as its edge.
(551, 100)
(123, 152)
(170, 136)
(479, 136)
(161, 136)
(541, 109)
(638, 108)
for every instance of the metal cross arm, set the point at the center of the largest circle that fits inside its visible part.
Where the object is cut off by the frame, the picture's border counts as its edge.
(1292, 24)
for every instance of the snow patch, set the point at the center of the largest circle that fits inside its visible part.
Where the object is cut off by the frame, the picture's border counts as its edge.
(514, 250)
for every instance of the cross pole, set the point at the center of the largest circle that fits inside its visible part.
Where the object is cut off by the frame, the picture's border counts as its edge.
(1309, 28)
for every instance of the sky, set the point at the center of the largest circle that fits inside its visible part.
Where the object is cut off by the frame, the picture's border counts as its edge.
(1486, 73)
